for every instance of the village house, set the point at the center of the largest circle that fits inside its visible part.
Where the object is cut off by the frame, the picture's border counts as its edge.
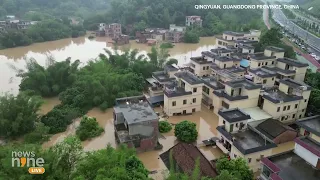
(301, 163)
(151, 36)
(193, 21)
(121, 40)
(237, 93)
(200, 66)
(184, 95)
(262, 76)
(157, 83)
(175, 34)
(136, 123)
(288, 102)
(211, 83)
(250, 140)
(229, 38)
(109, 30)
(184, 157)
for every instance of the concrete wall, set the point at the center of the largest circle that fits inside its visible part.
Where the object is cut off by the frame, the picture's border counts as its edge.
(180, 107)
(254, 164)
(258, 80)
(300, 74)
(290, 115)
(315, 137)
(285, 137)
(236, 126)
(222, 64)
(260, 63)
(306, 155)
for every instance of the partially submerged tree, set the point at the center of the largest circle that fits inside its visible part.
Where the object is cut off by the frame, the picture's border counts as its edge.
(186, 131)
(88, 128)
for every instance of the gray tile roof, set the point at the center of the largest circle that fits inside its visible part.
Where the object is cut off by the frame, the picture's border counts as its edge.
(292, 62)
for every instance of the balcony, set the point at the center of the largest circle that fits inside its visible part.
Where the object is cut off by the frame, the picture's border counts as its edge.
(222, 147)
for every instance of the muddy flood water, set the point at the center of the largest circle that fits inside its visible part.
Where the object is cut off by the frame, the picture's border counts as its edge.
(205, 120)
(83, 49)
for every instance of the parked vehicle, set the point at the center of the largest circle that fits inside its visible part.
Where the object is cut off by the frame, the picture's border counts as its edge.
(317, 58)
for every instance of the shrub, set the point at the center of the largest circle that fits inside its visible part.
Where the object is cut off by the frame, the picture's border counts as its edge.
(88, 128)
(164, 126)
(186, 131)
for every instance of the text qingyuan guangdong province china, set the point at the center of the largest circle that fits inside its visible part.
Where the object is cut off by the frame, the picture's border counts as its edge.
(246, 6)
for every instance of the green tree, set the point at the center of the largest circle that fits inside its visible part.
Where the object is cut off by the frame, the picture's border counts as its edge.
(225, 175)
(172, 61)
(236, 167)
(164, 126)
(186, 131)
(18, 114)
(88, 128)
(191, 36)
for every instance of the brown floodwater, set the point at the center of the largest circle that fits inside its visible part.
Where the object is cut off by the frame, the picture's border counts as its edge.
(205, 120)
(83, 49)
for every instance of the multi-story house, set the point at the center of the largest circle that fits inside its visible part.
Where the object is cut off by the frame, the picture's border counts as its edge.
(229, 38)
(157, 34)
(250, 140)
(237, 93)
(301, 163)
(121, 40)
(175, 33)
(160, 78)
(287, 102)
(262, 76)
(200, 66)
(113, 30)
(272, 59)
(211, 83)
(136, 123)
(193, 21)
(184, 95)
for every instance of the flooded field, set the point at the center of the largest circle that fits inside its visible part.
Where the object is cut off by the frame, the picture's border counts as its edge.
(83, 49)
(206, 125)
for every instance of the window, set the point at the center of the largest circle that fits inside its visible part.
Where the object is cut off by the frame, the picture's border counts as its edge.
(284, 108)
(224, 122)
(266, 63)
(237, 125)
(194, 110)
(204, 68)
(272, 62)
(232, 91)
(288, 107)
(293, 116)
(194, 90)
(235, 156)
(272, 78)
(184, 112)
(300, 116)
(296, 106)
(224, 66)
(185, 101)
(282, 118)
(249, 160)
(207, 67)
(305, 100)
(278, 109)
(194, 100)
(264, 81)
(302, 110)
(249, 51)
(173, 103)
(259, 64)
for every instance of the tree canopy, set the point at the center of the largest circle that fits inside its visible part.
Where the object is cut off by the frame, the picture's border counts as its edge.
(88, 128)
(164, 126)
(238, 168)
(186, 131)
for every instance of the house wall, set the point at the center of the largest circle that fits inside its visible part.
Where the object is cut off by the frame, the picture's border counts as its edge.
(230, 37)
(217, 103)
(171, 73)
(272, 109)
(272, 53)
(221, 65)
(180, 107)
(222, 43)
(314, 137)
(306, 155)
(210, 95)
(254, 164)
(236, 126)
(258, 80)
(201, 69)
(285, 137)
(260, 63)
(300, 73)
